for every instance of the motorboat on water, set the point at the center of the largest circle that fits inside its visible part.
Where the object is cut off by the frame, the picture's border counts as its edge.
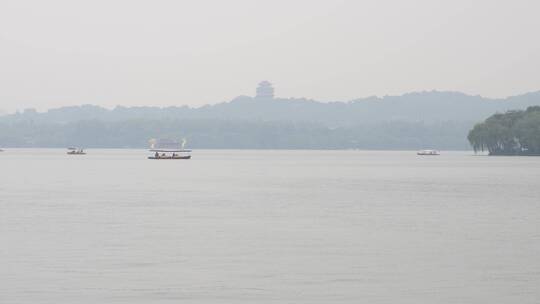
(428, 152)
(76, 151)
(170, 154)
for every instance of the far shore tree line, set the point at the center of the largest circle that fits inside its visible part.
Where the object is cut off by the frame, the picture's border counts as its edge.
(514, 132)
(235, 134)
(510, 133)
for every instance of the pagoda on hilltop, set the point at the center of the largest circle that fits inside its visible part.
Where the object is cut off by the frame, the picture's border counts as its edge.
(265, 90)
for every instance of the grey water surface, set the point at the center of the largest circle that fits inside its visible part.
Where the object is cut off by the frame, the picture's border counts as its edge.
(268, 227)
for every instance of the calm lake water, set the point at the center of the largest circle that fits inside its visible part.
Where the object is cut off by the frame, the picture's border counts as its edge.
(268, 227)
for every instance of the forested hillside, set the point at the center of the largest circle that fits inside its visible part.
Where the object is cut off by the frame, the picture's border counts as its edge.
(413, 121)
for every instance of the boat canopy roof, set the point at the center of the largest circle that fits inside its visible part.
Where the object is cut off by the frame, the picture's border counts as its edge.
(169, 150)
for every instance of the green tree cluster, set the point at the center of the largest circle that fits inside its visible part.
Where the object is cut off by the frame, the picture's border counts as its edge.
(511, 133)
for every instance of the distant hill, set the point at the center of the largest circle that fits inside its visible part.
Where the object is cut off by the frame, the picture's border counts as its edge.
(412, 121)
(425, 107)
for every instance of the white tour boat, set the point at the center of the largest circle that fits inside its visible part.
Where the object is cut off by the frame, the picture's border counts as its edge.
(168, 149)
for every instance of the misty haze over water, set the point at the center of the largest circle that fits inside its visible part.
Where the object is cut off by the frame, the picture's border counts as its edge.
(374, 151)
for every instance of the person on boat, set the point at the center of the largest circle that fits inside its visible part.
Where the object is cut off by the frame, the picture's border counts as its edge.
(156, 155)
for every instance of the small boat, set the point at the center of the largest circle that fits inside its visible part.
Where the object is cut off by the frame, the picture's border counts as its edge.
(428, 152)
(170, 154)
(76, 151)
(168, 149)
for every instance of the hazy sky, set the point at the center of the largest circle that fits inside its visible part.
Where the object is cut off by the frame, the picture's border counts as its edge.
(127, 52)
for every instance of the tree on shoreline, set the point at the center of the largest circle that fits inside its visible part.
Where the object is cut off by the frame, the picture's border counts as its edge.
(511, 133)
